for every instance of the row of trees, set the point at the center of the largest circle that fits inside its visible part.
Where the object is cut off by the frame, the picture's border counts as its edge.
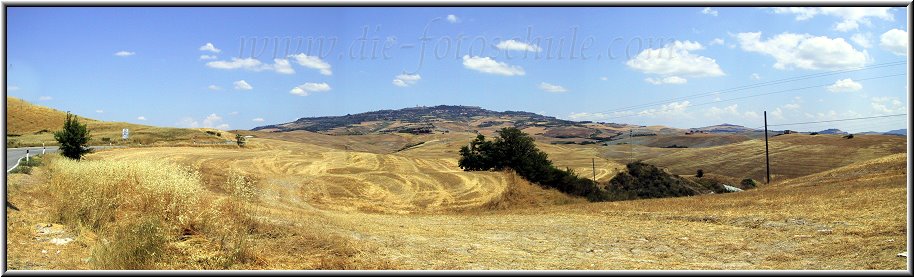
(515, 150)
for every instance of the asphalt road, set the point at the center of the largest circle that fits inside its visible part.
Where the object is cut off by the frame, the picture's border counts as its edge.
(14, 154)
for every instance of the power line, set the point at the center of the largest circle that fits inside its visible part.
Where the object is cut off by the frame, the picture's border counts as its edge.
(837, 120)
(774, 92)
(756, 85)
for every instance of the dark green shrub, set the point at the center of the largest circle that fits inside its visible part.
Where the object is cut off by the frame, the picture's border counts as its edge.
(748, 183)
(699, 173)
(73, 138)
(647, 181)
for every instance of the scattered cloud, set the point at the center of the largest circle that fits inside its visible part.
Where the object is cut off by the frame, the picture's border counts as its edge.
(257, 119)
(242, 85)
(851, 17)
(547, 87)
(844, 85)
(718, 113)
(211, 121)
(716, 41)
(805, 51)
(777, 113)
(210, 47)
(675, 80)
(282, 66)
(671, 109)
(489, 65)
(587, 116)
(307, 88)
(214, 87)
(896, 41)
(862, 40)
(99, 111)
(12, 88)
(251, 64)
(313, 62)
(604, 78)
(675, 59)
(143, 118)
(405, 80)
(45, 98)
(124, 53)
(755, 76)
(709, 11)
(792, 106)
(208, 57)
(233, 113)
(514, 45)
(887, 105)
(452, 18)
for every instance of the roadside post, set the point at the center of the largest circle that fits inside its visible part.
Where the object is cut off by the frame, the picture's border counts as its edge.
(26, 155)
(125, 133)
(42, 148)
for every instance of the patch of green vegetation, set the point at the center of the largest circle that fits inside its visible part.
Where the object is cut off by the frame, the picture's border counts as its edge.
(514, 149)
(642, 181)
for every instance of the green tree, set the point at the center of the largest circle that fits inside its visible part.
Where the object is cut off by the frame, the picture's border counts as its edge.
(240, 140)
(73, 138)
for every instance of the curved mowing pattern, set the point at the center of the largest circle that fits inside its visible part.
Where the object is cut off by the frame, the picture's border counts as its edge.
(345, 181)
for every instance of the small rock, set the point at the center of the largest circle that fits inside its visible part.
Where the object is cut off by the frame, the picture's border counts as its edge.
(903, 254)
(44, 251)
(58, 252)
(61, 241)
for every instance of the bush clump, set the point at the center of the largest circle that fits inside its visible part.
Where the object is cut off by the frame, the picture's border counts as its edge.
(513, 149)
(748, 183)
(642, 181)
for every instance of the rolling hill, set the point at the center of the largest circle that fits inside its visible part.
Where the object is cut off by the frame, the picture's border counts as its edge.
(31, 125)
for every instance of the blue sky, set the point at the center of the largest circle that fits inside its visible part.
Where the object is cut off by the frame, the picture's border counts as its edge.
(237, 68)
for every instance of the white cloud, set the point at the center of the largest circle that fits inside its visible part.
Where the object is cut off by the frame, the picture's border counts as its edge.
(844, 85)
(242, 85)
(792, 106)
(211, 121)
(717, 113)
(862, 40)
(671, 109)
(552, 88)
(755, 76)
(210, 47)
(805, 51)
(233, 113)
(716, 41)
(709, 11)
(587, 116)
(896, 41)
(141, 118)
(282, 66)
(604, 78)
(124, 53)
(887, 105)
(675, 80)
(405, 80)
(452, 18)
(208, 57)
(517, 46)
(257, 119)
(45, 98)
(213, 87)
(99, 111)
(488, 65)
(851, 17)
(751, 115)
(675, 59)
(313, 62)
(12, 88)
(251, 64)
(307, 88)
(777, 113)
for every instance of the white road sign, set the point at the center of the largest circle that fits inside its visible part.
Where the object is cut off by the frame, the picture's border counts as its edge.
(124, 133)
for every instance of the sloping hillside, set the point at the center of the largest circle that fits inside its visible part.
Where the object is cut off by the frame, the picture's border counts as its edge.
(31, 125)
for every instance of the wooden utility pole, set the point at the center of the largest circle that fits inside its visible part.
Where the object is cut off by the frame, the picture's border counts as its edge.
(767, 164)
(594, 164)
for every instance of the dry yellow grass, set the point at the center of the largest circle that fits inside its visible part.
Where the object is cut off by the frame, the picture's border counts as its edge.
(32, 125)
(322, 207)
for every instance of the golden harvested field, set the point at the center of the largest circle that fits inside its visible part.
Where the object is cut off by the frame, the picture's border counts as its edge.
(320, 206)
